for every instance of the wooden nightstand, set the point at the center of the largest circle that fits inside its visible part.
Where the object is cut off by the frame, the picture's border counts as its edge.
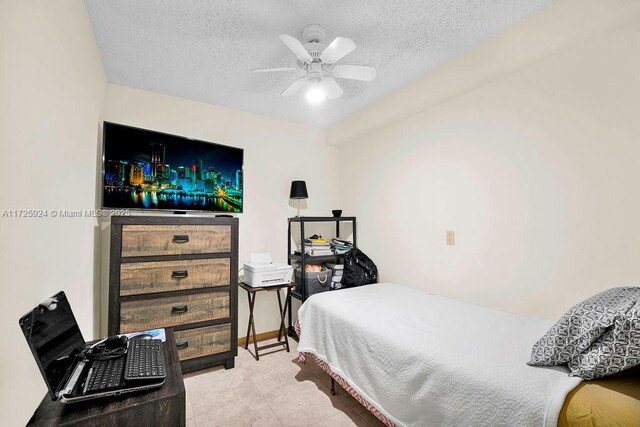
(162, 407)
(251, 327)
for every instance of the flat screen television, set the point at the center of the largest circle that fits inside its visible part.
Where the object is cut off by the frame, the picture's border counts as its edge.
(144, 169)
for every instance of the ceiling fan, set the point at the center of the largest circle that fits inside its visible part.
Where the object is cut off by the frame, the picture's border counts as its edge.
(318, 60)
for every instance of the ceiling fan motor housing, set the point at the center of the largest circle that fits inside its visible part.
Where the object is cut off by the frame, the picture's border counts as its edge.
(313, 36)
(315, 49)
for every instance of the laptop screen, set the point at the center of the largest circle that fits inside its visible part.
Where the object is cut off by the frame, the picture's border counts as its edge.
(54, 338)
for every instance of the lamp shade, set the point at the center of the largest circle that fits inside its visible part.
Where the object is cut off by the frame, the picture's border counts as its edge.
(298, 190)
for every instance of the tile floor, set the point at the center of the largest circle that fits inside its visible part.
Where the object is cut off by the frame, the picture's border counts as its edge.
(274, 391)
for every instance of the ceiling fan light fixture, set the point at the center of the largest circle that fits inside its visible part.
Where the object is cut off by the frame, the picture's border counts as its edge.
(317, 60)
(315, 95)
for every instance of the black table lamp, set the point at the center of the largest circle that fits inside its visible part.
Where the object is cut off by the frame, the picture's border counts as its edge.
(298, 191)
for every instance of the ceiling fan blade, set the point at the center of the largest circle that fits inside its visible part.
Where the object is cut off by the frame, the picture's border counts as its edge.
(270, 70)
(355, 72)
(331, 88)
(294, 87)
(338, 48)
(296, 47)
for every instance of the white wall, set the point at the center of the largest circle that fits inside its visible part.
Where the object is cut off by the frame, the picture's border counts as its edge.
(276, 152)
(52, 87)
(537, 172)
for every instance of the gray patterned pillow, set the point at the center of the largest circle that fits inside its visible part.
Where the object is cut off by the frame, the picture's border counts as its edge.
(582, 325)
(616, 350)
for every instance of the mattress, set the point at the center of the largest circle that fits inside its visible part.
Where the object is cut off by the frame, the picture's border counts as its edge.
(609, 401)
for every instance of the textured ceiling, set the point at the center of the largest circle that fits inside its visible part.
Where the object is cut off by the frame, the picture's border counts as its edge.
(204, 50)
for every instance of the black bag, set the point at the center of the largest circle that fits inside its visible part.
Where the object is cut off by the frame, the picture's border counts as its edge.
(358, 269)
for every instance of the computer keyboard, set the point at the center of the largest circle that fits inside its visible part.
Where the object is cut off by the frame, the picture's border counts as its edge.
(145, 359)
(105, 374)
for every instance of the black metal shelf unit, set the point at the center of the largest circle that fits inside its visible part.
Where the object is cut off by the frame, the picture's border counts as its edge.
(304, 259)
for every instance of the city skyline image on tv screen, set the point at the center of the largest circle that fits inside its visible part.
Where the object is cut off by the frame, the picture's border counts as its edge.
(145, 169)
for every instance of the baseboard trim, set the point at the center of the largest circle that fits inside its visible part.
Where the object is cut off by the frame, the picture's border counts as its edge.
(260, 337)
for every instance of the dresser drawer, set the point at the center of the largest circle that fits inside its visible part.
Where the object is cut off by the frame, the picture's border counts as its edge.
(138, 315)
(164, 276)
(153, 240)
(203, 341)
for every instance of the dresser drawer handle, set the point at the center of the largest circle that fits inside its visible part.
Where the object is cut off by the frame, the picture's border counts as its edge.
(180, 238)
(182, 344)
(180, 309)
(180, 274)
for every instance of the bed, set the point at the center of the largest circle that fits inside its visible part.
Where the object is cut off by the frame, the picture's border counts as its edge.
(417, 359)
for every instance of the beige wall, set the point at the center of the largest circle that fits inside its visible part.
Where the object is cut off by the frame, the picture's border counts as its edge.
(276, 152)
(561, 25)
(537, 172)
(52, 87)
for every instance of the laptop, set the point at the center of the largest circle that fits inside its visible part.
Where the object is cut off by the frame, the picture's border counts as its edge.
(75, 371)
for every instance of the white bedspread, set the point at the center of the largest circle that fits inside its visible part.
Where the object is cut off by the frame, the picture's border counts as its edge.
(425, 360)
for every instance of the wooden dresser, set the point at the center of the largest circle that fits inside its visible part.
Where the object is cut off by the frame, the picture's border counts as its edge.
(176, 272)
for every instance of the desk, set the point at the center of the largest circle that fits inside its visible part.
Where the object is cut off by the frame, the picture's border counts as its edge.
(251, 327)
(161, 407)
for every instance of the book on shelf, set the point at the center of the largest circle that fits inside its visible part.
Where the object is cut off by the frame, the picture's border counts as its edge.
(340, 242)
(318, 252)
(341, 246)
(317, 242)
(316, 248)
